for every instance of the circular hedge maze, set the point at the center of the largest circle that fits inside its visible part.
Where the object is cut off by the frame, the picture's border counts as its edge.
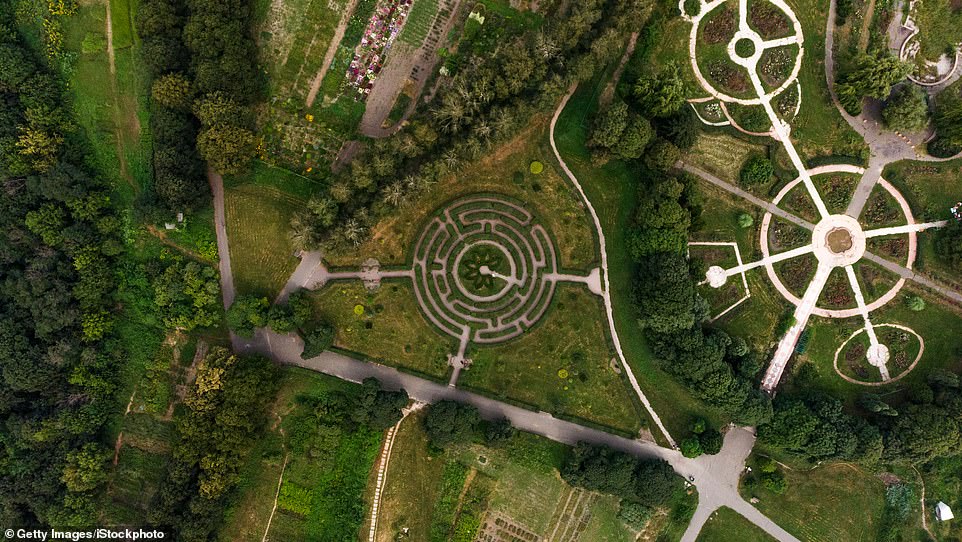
(484, 270)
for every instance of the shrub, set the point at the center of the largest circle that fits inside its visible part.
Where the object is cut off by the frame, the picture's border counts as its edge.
(711, 441)
(691, 447)
(774, 482)
(318, 340)
(757, 170)
(915, 303)
(536, 167)
(745, 221)
(634, 514)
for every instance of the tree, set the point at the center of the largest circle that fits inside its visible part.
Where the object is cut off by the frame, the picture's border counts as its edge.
(907, 110)
(449, 422)
(318, 339)
(86, 468)
(757, 170)
(662, 155)
(634, 514)
(915, 303)
(247, 313)
(281, 319)
(711, 441)
(691, 447)
(226, 147)
(662, 95)
(499, 431)
(874, 403)
(661, 222)
(377, 408)
(172, 90)
(948, 122)
(873, 76)
(948, 244)
(665, 294)
(302, 311)
(922, 433)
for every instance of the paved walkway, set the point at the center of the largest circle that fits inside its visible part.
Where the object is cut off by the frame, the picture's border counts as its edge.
(747, 196)
(602, 247)
(909, 274)
(716, 477)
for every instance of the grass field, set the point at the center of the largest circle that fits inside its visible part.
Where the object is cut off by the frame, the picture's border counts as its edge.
(612, 190)
(390, 329)
(571, 338)
(258, 224)
(110, 112)
(726, 525)
(503, 171)
(325, 479)
(722, 154)
(832, 502)
(938, 326)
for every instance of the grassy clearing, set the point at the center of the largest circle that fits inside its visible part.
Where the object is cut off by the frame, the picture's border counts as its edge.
(419, 22)
(389, 330)
(258, 223)
(325, 485)
(726, 524)
(722, 154)
(612, 190)
(829, 503)
(571, 338)
(112, 121)
(503, 171)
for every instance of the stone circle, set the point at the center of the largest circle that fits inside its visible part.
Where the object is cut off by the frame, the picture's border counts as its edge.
(517, 298)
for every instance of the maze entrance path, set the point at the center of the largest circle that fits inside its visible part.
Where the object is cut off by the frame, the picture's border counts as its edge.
(484, 271)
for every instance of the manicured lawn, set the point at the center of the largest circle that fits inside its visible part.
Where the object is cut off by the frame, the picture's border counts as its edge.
(726, 525)
(258, 227)
(939, 327)
(826, 504)
(612, 191)
(504, 171)
(571, 338)
(389, 330)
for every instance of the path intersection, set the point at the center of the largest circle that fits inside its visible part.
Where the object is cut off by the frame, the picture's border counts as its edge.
(837, 240)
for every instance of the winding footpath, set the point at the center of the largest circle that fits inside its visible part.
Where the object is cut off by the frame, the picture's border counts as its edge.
(715, 476)
(606, 294)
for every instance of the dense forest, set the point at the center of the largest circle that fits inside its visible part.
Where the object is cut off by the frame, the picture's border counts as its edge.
(59, 243)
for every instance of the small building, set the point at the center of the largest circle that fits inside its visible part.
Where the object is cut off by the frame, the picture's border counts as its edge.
(943, 512)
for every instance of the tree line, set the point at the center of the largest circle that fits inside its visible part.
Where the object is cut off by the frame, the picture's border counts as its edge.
(59, 245)
(202, 62)
(482, 104)
(648, 126)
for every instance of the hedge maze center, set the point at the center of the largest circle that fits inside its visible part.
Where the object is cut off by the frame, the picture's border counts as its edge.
(484, 271)
(837, 240)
